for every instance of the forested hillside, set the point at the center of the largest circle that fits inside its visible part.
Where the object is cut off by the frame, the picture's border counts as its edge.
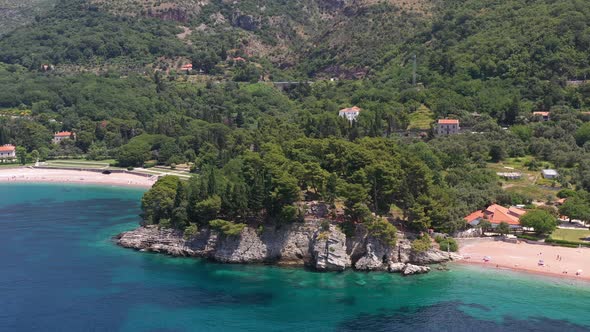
(16, 13)
(113, 77)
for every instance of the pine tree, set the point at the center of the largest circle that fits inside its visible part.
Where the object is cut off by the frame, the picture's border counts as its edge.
(240, 119)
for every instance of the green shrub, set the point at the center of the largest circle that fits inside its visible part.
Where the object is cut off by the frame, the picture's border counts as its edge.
(439, 239)
(289, 214)
(565, 243)
(150, 164)
(323, 236)
(528, 237)
(191, 231)
(165, 223)
(325, 225)
(383, 230)
(208, 209)
(228, 228)
(422, 244)
(449, 244)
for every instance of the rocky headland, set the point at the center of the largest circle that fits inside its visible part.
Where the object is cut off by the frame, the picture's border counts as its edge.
(300, 244)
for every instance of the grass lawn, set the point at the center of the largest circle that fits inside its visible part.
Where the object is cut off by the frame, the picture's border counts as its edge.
(421, 119)
(531, 184)
(12, 165)
(573, 235)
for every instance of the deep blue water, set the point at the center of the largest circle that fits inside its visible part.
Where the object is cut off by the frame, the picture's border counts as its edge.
(60, 271)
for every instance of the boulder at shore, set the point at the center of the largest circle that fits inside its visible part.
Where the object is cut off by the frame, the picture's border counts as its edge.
(296, 244)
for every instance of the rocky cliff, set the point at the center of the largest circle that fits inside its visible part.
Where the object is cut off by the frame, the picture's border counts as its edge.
(296, 244)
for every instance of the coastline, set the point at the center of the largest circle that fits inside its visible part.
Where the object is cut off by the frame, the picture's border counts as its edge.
(502, 268)
(523, 257)
(62, 176)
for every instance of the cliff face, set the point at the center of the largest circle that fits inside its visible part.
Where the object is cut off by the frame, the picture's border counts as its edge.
(296, 244)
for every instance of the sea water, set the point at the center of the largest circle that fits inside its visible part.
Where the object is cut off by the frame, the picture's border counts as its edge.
(61, 271)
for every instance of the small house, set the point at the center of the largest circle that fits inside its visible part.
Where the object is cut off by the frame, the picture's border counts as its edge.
(510, 175)
(7, 152)
(543, 116)
(351, 113)
(187, 67)
(447, 127)
(549, 173)
(62, 135)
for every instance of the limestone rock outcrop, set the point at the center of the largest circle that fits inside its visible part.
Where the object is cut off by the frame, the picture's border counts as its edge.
(329, 250)
(309, 244)
(411, 269)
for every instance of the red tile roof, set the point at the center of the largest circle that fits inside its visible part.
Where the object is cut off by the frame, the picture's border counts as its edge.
(448, 121)
(63, 134)
(353, 109)
(497, 214)
(187, 67)
(474, 216)
(516, 211)
(541, 113)
(7, 148)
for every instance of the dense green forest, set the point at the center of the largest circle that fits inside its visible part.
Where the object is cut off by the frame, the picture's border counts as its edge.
(257, 150)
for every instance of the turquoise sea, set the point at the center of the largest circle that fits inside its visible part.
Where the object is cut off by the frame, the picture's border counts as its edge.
(61, 271)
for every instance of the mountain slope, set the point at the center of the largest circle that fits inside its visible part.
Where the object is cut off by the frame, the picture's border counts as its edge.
(515, 40)
(15, 13)
(322, 36)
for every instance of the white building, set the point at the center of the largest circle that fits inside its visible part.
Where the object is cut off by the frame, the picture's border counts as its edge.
(549, 173)
(447, 127)
(510, 175)
(351, 113)
(7, 151)
(58, 137)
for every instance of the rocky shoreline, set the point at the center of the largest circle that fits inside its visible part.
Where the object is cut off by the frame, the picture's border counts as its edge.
(305, 244)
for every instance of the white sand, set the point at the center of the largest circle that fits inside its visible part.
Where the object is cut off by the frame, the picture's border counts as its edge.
(525, 257)
(35, 175)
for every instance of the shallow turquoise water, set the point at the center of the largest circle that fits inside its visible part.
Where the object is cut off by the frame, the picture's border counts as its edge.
(62, 272)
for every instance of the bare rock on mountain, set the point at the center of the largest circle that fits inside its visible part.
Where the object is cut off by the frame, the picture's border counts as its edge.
(246, 22)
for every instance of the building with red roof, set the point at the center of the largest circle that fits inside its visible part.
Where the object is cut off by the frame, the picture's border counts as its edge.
(62, 135)
(7, 151)
(350, 113)
(447, 127)
(187, 67)
(497, 214)
(542, 115)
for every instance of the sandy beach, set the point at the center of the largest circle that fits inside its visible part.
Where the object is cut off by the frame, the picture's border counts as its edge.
(33, 175)
(525, 257)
